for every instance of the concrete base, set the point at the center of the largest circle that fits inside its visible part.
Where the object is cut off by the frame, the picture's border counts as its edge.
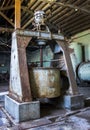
(22, 111)
(72, 102)
(87, 102)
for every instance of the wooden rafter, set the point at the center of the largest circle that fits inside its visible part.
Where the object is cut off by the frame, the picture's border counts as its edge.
(6, 29)
(7, 8)
(68, 5)
(6, 18)
(76, 23)
(81, 25)
(26, 9)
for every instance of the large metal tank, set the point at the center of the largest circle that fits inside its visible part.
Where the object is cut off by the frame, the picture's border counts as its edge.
(83, 71)
(45, 82)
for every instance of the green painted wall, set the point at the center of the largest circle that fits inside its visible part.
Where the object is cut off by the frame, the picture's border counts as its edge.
(84, 39)
(79, 40)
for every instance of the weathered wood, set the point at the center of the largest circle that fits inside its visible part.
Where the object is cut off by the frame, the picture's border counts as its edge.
(70, 6)
(79, 27)
(7, 8)
(6, 18)
(73, 20)
(17, 14)
(6, 29)
(76, 24)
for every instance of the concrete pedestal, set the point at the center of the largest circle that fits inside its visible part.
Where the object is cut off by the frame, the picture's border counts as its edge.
(22, 111)
(72, 102)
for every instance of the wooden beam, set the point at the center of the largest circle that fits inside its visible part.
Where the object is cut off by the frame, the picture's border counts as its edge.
(76, 23)
(6, 29)
(73, 7)
(27, 23)
(64, 17)
(79, 24)
(79, 28)
(6, 18)
(26, 9)
(59, 14)
(74, 19)
(31, 2)
(69, 5)
(68, 15)
(6, 8)
(17, 14)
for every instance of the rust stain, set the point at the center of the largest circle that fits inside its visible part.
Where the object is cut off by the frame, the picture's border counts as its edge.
(45, 82)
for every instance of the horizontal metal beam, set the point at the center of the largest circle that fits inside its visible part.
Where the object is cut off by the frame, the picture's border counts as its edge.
(39, 34)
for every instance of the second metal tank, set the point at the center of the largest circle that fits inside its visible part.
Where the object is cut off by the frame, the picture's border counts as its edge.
(45, 82)
(83, 71)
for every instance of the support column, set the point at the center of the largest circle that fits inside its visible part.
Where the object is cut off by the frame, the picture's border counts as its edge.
(73, 90)
(19, 79)
(17, 14)
(19, 102)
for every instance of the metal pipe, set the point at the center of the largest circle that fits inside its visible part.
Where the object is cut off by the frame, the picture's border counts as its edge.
(41, 56)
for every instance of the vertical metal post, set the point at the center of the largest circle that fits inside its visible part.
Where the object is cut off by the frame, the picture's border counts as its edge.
(41, 56)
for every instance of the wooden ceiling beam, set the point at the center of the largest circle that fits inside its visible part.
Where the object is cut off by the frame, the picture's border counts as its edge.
(7, 8)
(73, 7)
(71, 20)
(26, 9)
(76, 23)
(69, 5)
(73, 16)
(66, 12)
(2, 29)
(68, 15)
(31, 2)
(78, 27)
(79, 30)
(6, 18)
(58, 15)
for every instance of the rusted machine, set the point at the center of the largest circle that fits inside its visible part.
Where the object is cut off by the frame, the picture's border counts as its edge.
(21, 90)
(45, 82)
(19, 72)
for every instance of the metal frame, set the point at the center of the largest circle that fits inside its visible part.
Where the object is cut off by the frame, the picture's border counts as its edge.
(20, 41)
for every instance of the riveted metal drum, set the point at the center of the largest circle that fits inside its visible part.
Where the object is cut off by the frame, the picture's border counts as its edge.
(83, 71)
(45, 82)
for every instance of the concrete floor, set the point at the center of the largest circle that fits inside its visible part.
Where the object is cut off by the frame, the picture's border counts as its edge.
(51, 117)
(56, 120)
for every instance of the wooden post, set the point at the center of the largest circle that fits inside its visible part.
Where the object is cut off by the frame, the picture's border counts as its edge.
(17, 14)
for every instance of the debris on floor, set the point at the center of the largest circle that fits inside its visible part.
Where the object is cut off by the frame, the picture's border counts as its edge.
(70, 120)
